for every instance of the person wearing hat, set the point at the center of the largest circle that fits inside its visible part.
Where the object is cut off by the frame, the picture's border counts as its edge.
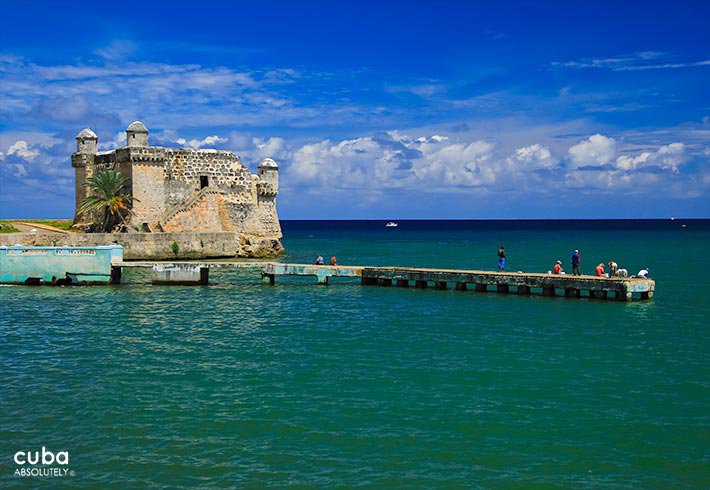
(576, 259)
(558, 268)
(600, 269)
(644, 273)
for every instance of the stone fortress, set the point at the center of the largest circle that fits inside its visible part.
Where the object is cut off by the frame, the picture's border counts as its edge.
(186, 191)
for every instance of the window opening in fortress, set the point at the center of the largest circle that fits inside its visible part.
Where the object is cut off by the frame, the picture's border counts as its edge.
(204, 181)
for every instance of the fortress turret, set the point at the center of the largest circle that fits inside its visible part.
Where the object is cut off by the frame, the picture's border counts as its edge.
(86, 142)
(136, 134)
(269, 173)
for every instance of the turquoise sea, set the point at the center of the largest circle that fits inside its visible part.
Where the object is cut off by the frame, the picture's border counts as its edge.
(239, 384)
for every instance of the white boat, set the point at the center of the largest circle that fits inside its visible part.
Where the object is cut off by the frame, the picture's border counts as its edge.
(392, 224)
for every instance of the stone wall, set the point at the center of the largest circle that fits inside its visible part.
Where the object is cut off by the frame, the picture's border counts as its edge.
(157, 246)
(202, 215)
(223, 168)
(148, 193)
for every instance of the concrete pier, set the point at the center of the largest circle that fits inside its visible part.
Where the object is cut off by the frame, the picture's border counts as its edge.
(522, 283)
(622, 289)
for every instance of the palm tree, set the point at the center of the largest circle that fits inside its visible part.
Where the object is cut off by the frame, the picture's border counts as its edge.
(108, 194)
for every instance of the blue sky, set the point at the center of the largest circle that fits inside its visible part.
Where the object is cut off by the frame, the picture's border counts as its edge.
(375, 110)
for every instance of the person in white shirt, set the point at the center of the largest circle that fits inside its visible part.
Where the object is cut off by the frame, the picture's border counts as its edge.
(643, 273)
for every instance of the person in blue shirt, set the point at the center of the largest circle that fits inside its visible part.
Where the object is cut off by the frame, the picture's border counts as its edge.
(576, 259)
(501, 259)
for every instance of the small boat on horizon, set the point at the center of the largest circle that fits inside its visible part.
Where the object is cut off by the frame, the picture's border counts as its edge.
(392, 224)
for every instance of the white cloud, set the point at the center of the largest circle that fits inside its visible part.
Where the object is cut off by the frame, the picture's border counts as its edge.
(666, 157)
(457, 164)
(594, 151)
(642, 60)
(393, 160)
(206, 142)
(273, 147)
(18, 170)
(535, 157)
(22, 149)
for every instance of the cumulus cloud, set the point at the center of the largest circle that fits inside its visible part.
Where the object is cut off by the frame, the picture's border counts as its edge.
(207, 142)
(22, 149)
(594, 151)
(393, 160)
(273, 147)
(535, 157)
(666, 157)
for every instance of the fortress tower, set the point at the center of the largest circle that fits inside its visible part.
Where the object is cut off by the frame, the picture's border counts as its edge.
(136, 135)
(83, 163)
(269, 174)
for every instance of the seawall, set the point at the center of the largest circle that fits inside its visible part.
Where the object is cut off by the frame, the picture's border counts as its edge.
(158, 246)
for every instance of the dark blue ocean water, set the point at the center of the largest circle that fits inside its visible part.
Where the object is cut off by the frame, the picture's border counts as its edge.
(241, 384)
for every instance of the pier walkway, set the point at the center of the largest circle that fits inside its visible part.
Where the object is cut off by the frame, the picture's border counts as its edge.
(621, 288)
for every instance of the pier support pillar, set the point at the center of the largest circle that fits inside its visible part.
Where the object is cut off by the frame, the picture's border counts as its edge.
(368, 281)
(402, 283)
(180, 274)
(523, 289)
(420, 284)
(572, 293)
(461, 286)
(204, 275)
(116, 273)
(481, 288)
(323, 280)
(502, 288)
(440, 284)
(597, 294)
(385, 282)
(647, 295)
(268, 279)
(548, 290)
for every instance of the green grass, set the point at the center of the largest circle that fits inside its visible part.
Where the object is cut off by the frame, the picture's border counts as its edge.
(62, 224)
(6, 227)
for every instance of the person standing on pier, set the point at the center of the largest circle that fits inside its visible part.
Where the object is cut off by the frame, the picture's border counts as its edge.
(319, 259)
(333, 260)
(501, 259)
(576, 259)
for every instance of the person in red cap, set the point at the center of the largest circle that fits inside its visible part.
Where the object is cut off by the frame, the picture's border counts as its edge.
(558, 268)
